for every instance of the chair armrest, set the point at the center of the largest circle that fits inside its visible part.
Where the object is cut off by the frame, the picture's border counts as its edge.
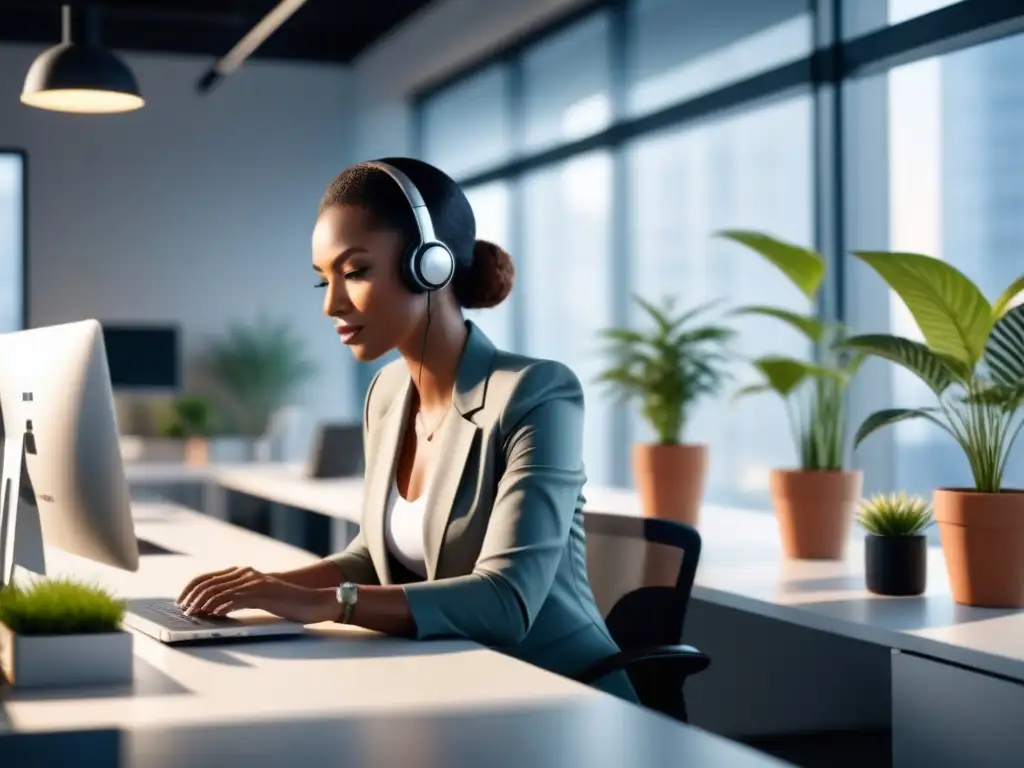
(679, 661)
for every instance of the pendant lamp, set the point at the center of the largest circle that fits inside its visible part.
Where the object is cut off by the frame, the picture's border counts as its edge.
(82, 78)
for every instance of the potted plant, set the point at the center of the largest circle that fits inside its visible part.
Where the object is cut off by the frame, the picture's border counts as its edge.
(815, 502)
(60, 632)
(258, 368)
(668, 368)
(895, 550)
(972, 359)
(190, 418)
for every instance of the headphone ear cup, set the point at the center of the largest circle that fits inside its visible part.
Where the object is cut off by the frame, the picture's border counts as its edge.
(433, 266)
(409, 269)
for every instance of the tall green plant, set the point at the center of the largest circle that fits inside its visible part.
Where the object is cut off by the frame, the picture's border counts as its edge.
(972, 358)
(814, 393)
(669, 367)
(259, 368)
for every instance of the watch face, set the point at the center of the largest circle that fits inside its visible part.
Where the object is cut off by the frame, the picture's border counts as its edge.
(347, 592)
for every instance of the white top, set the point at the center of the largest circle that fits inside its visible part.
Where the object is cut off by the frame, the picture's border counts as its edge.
(403, 530)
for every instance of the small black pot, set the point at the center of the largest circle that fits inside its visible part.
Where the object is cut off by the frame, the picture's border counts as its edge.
(896, 565)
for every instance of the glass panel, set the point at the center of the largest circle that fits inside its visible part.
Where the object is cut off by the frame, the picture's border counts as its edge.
(12, 240)
(491, 208)
(565, 82)
(567, 270)
(753, 171)
(954, 125)
(682, 48)
(466, 128)
(863, 16)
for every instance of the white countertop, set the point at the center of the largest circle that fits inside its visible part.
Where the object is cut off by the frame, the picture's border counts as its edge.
(337, 693)
(334, 671)
(742, 566)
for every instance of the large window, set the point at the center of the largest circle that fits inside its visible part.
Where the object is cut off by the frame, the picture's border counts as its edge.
(750, 171)
(567, 288)
(466, 129)
(566, 85)
(679, 50)
(625, 135)
(954, 127)
(12, 240)
(490, 204)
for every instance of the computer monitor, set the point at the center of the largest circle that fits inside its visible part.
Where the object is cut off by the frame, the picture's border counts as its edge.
(143, 358)
(61, 439)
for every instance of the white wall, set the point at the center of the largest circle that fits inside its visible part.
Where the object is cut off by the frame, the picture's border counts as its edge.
(195, 210)
(442, 38)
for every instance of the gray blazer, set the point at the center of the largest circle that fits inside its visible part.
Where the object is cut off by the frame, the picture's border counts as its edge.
(503, 533)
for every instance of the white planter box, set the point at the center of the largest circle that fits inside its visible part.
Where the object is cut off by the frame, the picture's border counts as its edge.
(56, 661)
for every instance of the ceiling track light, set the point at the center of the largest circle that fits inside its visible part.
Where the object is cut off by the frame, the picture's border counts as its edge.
(244, 48)
(82, 78)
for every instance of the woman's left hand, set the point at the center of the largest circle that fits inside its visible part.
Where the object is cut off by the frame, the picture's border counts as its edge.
(234, 589)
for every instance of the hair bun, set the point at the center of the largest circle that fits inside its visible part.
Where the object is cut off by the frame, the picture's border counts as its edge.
(488, 281)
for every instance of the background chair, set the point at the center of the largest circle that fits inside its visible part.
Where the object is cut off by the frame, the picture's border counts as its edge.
(642, 571)
(336, 451)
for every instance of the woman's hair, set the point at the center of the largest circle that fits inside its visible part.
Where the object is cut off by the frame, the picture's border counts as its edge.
(483, 271)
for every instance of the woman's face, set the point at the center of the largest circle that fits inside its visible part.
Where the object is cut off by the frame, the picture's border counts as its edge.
(358, 267)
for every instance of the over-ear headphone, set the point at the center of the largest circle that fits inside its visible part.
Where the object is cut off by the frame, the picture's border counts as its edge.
(429, 264)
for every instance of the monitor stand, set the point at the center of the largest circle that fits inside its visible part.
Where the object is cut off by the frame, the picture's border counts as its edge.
(21, 536)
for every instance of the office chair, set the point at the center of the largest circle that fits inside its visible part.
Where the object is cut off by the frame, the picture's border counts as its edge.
(641, 571)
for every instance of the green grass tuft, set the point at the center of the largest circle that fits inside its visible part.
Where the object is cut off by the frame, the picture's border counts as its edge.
(895, 514)
(60, 607)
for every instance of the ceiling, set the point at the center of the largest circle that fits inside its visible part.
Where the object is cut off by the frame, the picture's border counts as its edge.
(321, 30)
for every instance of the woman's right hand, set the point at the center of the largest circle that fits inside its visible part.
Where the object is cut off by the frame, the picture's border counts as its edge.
(196, 585)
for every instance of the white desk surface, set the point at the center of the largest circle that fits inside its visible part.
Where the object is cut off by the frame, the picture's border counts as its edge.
(336, 679)
(284, 483)
(742, 567)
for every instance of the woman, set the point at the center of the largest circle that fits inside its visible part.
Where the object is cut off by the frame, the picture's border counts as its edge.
(472, 522)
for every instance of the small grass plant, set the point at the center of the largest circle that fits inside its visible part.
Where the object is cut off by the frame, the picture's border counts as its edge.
(895, 514)
(60, 606)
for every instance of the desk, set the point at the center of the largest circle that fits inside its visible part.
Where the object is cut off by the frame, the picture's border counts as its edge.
(861, 660)
(339, 693)
(282, 484)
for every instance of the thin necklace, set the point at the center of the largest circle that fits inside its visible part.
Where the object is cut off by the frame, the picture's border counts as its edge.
(423, 430)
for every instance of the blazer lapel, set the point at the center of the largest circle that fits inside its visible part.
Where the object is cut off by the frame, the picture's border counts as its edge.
(457, 437)
(386, 439)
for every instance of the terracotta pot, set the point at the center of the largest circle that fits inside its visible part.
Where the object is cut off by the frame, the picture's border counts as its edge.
(983, 542)
(815, 510)
(670, 480)
(197, 451)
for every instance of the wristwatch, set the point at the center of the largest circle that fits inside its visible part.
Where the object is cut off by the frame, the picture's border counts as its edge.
(347, 594)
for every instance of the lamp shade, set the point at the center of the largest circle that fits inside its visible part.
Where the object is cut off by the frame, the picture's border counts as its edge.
(71, 77)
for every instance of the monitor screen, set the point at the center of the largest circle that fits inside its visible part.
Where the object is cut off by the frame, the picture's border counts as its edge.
(142, 357)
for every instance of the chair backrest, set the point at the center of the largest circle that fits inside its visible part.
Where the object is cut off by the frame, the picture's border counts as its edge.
(337, 451)
(641, 571)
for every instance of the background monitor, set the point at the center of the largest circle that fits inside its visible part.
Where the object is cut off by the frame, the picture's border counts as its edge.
(143, 357)
(58, 402)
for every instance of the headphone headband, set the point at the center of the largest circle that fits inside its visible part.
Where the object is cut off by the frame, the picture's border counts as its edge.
(430, 265)
(424, 223)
